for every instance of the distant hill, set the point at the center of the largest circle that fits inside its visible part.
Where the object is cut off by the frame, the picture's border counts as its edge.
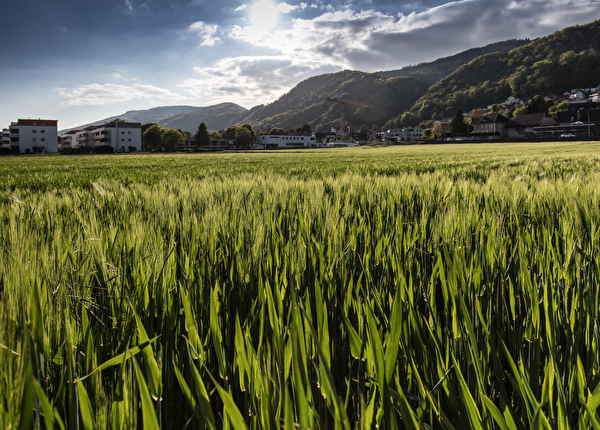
(434, 71)
(215, 117)
(186, 118)
(550, 65)
(152, 115)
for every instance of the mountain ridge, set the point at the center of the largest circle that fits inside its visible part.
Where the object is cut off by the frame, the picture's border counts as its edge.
(473, 78)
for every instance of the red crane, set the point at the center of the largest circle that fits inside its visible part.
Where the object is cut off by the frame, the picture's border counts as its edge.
(343, 104)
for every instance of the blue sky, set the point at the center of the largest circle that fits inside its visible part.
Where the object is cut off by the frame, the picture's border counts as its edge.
(79, 61)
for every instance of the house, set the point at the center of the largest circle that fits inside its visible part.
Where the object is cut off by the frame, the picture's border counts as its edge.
(526, 124)
(493, 126)
(287, 141)
(446, 124)
(582, 118)
(577, 111)
(33, 135)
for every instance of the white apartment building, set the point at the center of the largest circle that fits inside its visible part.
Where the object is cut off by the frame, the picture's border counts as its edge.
(5, 139)
(68, 140)
(288, 142)
(120, 136)
(34, 135)
(406, 134)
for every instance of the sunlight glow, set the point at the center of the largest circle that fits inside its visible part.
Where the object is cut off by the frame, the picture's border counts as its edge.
(264, 14)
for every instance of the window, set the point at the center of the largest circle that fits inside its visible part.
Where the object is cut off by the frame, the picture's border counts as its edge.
(43, 131)
(34, 140)
(43, 140)
(34, 131)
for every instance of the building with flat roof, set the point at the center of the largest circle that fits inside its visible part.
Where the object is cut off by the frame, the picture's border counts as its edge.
(115, 136)
(289, 142)
(406, 134)
(34, 135)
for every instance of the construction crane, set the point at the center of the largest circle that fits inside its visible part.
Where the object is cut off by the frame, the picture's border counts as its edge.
(343, 104)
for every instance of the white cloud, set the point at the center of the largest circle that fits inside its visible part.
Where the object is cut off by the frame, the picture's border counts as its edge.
(250, 80)
(241, 8)
(288, 8)
(372, 40)
(206, 33)
(106, 94)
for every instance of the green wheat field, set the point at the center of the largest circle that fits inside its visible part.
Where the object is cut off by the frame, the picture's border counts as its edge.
(432, 287)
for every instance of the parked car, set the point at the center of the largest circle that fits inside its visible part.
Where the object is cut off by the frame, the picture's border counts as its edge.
(567, 135)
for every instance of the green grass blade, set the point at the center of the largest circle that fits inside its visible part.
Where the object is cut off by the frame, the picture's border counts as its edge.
(148, 414)
(85, 407)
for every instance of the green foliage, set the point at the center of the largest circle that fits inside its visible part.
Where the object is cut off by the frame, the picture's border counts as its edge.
(171, 139)
(277, 131)
(432, 286)
(151, 137)
(215, 135)
(307, 104)
(229, 134)
(439, 69)
(459, 127)
(202, 137)
(549, 65)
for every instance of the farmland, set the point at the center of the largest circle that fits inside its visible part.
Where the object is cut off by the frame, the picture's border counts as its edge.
(446, 286)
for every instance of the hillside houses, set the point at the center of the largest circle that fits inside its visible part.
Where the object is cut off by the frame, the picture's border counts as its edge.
(497, 126)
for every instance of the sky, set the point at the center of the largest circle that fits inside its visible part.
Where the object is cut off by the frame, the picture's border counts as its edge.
(80, 61)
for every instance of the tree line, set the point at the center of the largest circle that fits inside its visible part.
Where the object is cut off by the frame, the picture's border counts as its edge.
(162, 139)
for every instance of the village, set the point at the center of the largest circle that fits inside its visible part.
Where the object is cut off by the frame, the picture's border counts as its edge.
(579, 117)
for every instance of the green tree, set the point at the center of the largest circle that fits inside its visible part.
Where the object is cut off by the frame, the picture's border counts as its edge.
(248, 126)
(409, 119)
(521, 110)
(305, 130)
(215, 135)
(171, 139)
(152, 137)
(202, 137)
(277, 131)
(364, 130)
(437, 130)
(459, 127)
(243, 137)
(229, 134)
(537, 105)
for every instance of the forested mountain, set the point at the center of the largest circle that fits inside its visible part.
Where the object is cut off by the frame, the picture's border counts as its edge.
(439, 69)
(307, 104)
(551, 65)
